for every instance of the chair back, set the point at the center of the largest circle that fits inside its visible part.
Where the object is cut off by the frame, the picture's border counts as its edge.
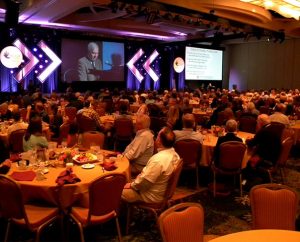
(182, 222)
(23, 114)
(173, 180)
(90, 138)
(70, 112)
(247, 124)
(16, 140)
(11, 204)
(286, 146)
(189, 151)
(63, 132)
(85, 123)
(273, 206)
(231, 155)
(105, 194)
(123, 128)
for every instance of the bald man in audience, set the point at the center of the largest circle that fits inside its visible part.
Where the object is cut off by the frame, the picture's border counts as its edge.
(139, 151)
(231, 128)
(279, 115)
(187, 132)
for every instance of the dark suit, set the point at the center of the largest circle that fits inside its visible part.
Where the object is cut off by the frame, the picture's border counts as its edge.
(85, 66)
(267, 142)
(228, 137)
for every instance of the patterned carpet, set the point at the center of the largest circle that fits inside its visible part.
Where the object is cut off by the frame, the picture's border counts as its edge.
(223, 215)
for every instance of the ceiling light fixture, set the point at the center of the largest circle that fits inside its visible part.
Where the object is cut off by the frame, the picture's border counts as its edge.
(287, 8)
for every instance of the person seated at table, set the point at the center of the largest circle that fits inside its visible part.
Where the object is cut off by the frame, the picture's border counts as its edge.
(39, 110)
(141, 148)
(34, 135)
(266, 145)
(123, 110)
(91, 113)
(231, 128)
(150, 185)
(143, 109)
(5, 113)
(56, 122)
(187, 132)
(17, 125)
(279, 115)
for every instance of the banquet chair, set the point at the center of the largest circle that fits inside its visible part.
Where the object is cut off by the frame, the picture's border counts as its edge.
(63, 132)
(286, 146)
(124, 132)
(12, 208)
(157, 208)
(230, 162)
(183, 222)
(90, 138)
(23, 114)
(247, 124)
(273, 206)
(85, 123)
(70, 112)
(190, 152)
(104, 201)
(16, 141)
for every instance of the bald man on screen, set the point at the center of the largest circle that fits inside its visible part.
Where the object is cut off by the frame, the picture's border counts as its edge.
(90, 66)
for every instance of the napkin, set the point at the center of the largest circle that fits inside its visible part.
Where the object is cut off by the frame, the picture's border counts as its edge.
(67, 177)
(23, 176)
(109, 166)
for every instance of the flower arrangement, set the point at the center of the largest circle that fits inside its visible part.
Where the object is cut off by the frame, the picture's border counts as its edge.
(67, 156)
(217, 130)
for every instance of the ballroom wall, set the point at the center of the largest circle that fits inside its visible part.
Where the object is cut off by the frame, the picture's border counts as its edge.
(263, 65)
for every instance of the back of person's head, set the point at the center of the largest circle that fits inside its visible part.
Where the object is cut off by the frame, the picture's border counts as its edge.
(263, 119)
(188, 120)
(39, 106)
(34, 127)
(280, 107)
(142, 99)
(94, 103)
(123, 108)
(167, 137)
(143, 121)
(231, 125)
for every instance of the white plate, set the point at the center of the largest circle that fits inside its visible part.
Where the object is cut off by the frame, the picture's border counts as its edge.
(88, 166)
(85, 158)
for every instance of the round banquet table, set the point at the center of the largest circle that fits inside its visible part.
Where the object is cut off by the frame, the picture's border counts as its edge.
(210, 142)
(261, 235)
(64, 196)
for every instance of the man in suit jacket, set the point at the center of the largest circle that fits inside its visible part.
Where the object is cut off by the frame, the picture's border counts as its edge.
(231, 128)
(90, 65)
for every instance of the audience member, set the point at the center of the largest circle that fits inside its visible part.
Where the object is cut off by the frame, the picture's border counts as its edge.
(187, 132)
(139, 151)
(266, 146)
(279, 116)
(17, 125)
(34, 136)
(231, 128)
(150, 185)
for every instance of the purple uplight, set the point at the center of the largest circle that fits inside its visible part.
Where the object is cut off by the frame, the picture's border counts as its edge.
(35, 49)
(46, 61)
(36, 71)
(41, 66)
(11, 71)
(40, 55)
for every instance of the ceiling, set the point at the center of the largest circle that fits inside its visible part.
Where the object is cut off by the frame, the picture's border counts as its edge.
(161, 20)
